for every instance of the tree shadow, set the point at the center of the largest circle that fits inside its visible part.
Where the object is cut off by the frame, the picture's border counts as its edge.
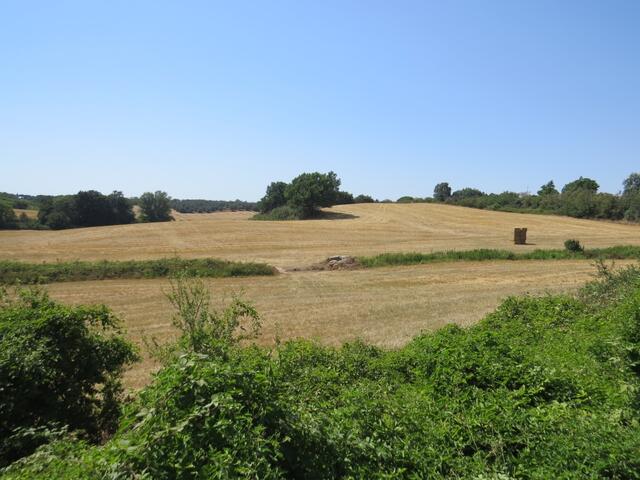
(324, 215)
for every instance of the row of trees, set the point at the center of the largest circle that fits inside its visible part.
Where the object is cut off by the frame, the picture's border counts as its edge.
(208, 206)
(89, 209)
(304, 196)
(579, 198)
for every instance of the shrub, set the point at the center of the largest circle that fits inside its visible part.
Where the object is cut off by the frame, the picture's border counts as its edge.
(32, 273)
(572, 245)
(59, 366)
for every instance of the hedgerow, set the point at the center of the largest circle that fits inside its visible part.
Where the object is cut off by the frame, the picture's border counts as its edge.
(12, 272)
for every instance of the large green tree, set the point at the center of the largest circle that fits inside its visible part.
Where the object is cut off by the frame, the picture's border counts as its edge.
(273, 198)
(8, 217)
(442, 192)
(310, 191)
(582, 183)
(155, 207)
(548, 188)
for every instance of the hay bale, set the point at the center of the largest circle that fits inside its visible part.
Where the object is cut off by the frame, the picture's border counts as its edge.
(520, 236)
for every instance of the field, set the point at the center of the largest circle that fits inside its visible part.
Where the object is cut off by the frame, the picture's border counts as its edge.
(385, 306)
(368, 229)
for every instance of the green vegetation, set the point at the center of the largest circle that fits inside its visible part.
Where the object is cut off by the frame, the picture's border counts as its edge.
(573, 245)
(60, 368)
(85, 209)
(541, 388)
(8, 219)
(208, 206)
(155, 207)
(31, 273)
(579, 199)
(609, 253)
(304, 196)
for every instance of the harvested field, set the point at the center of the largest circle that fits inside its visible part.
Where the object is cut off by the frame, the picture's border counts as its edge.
(364, 229)
(385, 306)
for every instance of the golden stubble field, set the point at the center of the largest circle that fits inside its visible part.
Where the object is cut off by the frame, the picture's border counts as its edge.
(375, 228)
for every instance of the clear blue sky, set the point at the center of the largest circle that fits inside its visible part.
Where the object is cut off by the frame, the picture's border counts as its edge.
(214, 100)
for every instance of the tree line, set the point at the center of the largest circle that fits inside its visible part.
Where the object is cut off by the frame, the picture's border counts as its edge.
(579, 198)
(208, 206)
(88, 208)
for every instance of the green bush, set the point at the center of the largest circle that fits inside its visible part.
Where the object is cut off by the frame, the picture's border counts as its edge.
(572, 245)
(33, 273)
(8, 219)
(59, 366)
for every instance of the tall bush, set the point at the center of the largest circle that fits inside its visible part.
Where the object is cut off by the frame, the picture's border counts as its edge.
(59, 366)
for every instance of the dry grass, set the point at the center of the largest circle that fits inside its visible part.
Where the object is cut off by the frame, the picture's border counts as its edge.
(378, 228)
(385, 306)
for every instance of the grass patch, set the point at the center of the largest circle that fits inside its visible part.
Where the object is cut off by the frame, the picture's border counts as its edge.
(33, 273)
(483, 254)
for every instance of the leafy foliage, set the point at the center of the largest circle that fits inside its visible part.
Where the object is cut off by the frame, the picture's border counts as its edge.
(302, 198)
(155, 207)
(85, 209)
(8, 217)
(442, 192)
(548, 188)
(579, 199)
(573, 245)
(208, 206)
(274, 198)
(32, 273)
(484, 254)
(59, 366)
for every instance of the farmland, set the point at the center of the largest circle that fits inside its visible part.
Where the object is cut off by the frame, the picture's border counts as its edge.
(385, 306)
(363, 229)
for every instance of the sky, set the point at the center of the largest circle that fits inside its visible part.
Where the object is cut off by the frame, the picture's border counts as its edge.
(215, 100)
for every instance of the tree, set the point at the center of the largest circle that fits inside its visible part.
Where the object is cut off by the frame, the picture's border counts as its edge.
(92, 209)
(121, 209)
(466, 193)
(310, 191)
(155, 207)
(632, 184)
(343, 198)
(274, 197)
(583, 183)
(442, 192)
(548, 188)
(8, 217)
(363, 199)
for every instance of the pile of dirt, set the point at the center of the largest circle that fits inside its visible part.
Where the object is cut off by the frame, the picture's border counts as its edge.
(338, 262)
